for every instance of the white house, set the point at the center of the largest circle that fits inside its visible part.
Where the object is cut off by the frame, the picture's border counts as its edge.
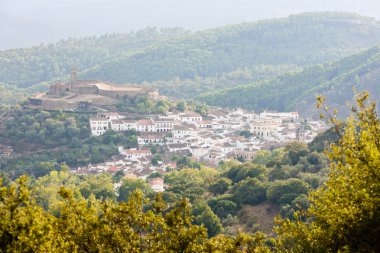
(190, 117)
(281, 115)
(199, 152)
(182, 131)
(99, 126)
(134, 154)
(154, 139)
(176, 147)
(263, 127)
(225, 147)
(204, 124)
(145, 125)
(110, 115)
(163, 125)
(120, 125)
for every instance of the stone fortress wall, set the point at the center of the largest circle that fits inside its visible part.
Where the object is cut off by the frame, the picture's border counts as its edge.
(76, 93)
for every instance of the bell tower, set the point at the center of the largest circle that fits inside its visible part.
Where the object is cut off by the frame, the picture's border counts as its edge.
(73, 75)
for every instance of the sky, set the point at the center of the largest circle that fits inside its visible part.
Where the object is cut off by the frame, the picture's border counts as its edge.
(26, 23)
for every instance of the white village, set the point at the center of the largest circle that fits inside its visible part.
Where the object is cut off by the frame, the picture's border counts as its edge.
(222, 134)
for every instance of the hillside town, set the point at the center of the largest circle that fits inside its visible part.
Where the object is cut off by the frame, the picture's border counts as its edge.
(222, 134)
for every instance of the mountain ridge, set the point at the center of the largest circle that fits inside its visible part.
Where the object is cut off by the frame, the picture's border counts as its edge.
(333, 80)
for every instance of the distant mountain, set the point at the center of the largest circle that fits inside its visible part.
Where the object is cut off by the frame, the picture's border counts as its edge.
(185, 64)
(297, 91)
(29, 66)
(300, 40)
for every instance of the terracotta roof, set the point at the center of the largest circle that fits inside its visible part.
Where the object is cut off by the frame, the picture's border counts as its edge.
(113, 169)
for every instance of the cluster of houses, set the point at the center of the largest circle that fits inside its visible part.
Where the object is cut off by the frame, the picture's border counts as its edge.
(220, 135)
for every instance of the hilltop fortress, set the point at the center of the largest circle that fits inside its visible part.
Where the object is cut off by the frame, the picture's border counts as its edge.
(84, 94)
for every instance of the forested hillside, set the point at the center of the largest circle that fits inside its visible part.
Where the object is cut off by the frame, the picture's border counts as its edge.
(328, 204)
(297, 91)
(257, 51)
(299, 40)
(29, 66)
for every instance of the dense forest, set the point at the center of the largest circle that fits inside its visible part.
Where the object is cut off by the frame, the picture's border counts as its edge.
(29, 66)
(167, 54)
(297, 91)
(267, 55)
(327, 204)
(300, 40)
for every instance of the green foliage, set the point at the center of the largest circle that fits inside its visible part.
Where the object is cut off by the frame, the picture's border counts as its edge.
(199, 62)
(222, 206)
(204, 215)
(144, 105)
(323, 140)
(345, 212)
(245, 133)
(156, 159)
(244, 170)
(220, 186)
(282, 172)
(24, 225)
(130, 185)
(10, 95)
(42, 129)
(43, 140)
(115, 227)
(285, 191)
(298, 40)
(187, 162)
(181, 106)
(52, 61)
(249, 191)
(296, 150)
(295, 91)
(190, 183)
(299, 204)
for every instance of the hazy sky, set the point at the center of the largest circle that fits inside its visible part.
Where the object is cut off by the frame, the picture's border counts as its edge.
(30, 22)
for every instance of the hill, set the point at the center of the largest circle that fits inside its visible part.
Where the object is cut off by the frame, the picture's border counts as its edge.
(29, 66)
(258, 50)
(297, 91)
(299, 40)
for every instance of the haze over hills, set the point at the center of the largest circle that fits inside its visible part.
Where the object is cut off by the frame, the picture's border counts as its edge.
(184, 64)
(29, 23)
(149, 55)
(297, 91)
(299, 40)
(25, 67)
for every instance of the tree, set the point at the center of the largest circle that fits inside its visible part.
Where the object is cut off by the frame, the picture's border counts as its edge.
(249, 191)
(220, 186)
(24, 226)
(222, 207)
(181, 106)
(156, 159)
(345, 212)
(131, 185)
(204, 215)
(285, 191)
(296, 150)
